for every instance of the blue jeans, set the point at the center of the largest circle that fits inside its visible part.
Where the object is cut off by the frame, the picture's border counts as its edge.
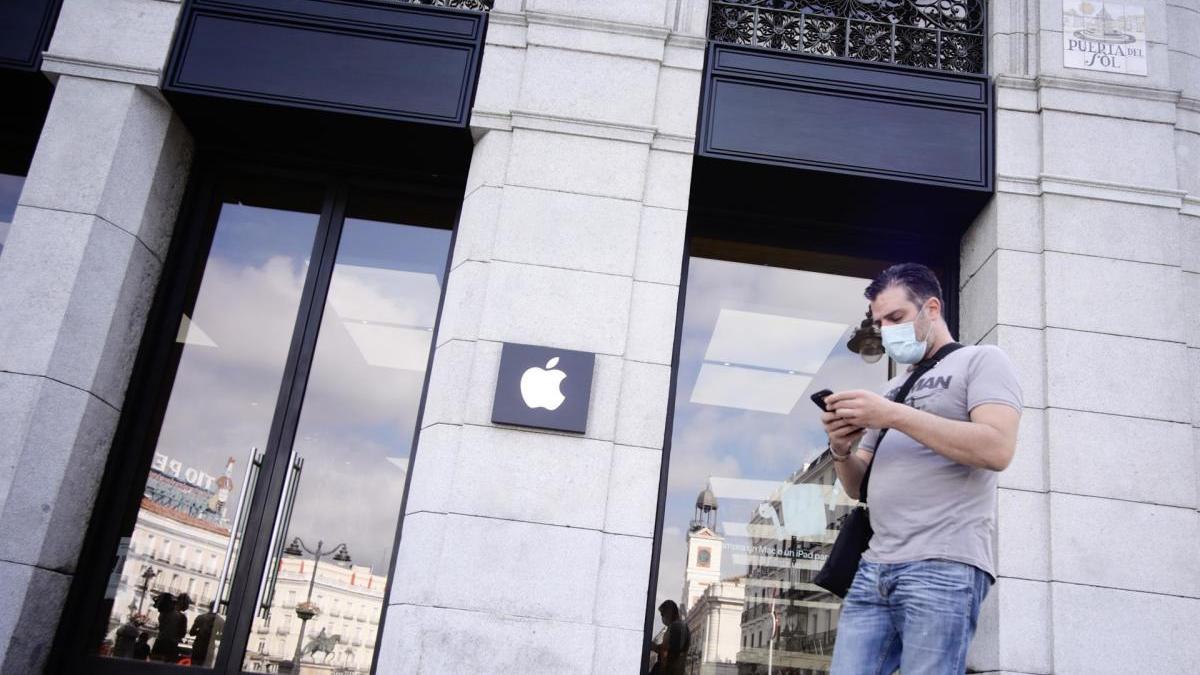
(917, 616)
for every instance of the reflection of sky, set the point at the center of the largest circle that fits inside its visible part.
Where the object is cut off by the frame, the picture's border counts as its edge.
(739, 438)
(10, 190)
(224, 396)
(360, 407)
(357, 421)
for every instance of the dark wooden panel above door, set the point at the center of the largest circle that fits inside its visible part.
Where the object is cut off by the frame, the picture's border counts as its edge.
(390, 60)
(853, 118)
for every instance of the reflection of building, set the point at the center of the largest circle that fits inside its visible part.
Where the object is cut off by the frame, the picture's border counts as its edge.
(789, 622)
(714, 624)
(704, 551)
(181, 535)
(350, 600)
(712, 606)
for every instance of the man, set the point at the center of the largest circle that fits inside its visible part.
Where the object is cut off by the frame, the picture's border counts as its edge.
(672, 651)
(915, 599)
(172, 626)
(207, 627)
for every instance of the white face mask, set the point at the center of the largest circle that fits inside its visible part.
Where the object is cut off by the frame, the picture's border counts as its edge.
(901, 343)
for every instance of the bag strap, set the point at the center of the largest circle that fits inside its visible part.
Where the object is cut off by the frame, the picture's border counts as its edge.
(921, 368)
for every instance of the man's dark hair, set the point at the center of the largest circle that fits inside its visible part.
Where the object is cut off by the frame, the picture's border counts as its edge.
(670, 609)
(917, 280)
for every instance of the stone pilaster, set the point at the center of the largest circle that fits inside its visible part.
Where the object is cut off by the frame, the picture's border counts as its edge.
(1082, 269)
(526, 551)
(77, 277)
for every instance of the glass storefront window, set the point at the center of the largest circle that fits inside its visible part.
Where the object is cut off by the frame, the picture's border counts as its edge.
(233, 341)
(753, 504)
(349, 459)
(10, 190)
(333, 292)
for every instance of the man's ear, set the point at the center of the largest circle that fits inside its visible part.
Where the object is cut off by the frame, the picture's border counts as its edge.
(935, 309)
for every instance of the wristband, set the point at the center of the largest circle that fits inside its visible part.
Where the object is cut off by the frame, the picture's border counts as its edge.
(840, 458)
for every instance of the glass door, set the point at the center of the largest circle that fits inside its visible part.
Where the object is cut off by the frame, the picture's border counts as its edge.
(264, 530)
(170, 591)
(322, 593)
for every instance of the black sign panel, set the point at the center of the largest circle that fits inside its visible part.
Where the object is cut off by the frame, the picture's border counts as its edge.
(543, 387)
(394, 61)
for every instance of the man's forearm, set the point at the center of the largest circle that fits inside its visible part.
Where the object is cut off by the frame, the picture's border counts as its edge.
(850, 472)
(969, 443)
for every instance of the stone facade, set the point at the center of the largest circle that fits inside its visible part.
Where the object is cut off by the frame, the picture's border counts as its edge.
(1083, 268)
(77, 278)
(527, 551)
(571, 236)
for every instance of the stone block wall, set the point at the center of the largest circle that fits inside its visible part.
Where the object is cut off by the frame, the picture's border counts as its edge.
(1083, 268)
(77, 278)
(529, 551)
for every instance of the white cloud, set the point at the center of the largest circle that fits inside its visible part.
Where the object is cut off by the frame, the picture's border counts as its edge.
(357, 419)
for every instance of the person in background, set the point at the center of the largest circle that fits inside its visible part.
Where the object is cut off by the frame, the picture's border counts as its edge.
(172, 627)
(207, 627)
(141, 650)
(126, 638)
(672, 651)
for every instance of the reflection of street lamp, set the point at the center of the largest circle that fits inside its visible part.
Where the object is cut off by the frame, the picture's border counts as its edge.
(307, 610)
(148, 573)
(866, 341)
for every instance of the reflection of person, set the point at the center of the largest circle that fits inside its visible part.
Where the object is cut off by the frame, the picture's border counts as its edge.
(141, 650)
(932, 490)
(672, 651)
(172, 626)
(126, 638)
(207, 627)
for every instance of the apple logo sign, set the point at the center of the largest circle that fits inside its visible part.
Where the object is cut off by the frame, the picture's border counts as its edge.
(543, 387)
(540, 386)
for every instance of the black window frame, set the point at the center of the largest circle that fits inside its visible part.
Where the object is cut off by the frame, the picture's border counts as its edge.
(117, 503)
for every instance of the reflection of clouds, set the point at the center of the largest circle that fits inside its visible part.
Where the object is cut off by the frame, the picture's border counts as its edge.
(747, 441)
(250, 311)
(709, 448)
(728, 442)
(384, 295)
(356, 425)
(360, 408)
(223, 398)
(357, 420)
(672, 561)
(346, 391)
(349, 492)
(359, 414)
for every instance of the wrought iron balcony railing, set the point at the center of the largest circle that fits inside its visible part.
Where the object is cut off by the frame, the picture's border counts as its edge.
(930, 34)
(481, 5)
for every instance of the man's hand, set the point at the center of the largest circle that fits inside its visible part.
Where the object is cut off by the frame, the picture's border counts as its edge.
(862, 408)
(843, 435)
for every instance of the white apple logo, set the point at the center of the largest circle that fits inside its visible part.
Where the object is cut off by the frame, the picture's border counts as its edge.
(540, 387)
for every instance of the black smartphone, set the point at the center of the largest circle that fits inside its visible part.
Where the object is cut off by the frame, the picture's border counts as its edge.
(819, 399)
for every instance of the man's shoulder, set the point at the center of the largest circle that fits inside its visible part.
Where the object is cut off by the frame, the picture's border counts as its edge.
(990, 354)
(970, 355)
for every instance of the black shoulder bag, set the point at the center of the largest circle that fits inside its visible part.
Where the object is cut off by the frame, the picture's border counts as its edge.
(839, 569)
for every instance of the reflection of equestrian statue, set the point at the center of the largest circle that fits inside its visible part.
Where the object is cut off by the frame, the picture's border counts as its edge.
(322, 643)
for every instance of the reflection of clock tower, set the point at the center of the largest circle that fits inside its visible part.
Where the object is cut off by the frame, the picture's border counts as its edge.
(704, 550)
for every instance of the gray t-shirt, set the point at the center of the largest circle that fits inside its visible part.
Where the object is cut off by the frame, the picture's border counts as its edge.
(923, 505)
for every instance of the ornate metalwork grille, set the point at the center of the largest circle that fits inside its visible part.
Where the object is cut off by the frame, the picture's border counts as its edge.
(931, 34)
(481, 5)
